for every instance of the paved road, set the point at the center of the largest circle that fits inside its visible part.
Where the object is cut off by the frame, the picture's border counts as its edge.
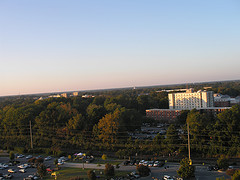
(201, 172)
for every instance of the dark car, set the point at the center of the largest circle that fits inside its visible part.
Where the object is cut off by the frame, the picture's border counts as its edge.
(210, 168)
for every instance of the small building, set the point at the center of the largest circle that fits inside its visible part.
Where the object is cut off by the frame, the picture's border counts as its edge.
(163, 114)
(170, 115)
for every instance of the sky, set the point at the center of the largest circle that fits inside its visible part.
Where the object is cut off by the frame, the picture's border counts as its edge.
(75, 45)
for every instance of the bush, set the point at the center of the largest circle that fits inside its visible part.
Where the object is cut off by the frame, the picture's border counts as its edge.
(91, 175)
(104, 156)
(222, 162)
(186, 170)
(41, 170)
(143, 170)
(109, 170)
(236, 175)
(230, 172)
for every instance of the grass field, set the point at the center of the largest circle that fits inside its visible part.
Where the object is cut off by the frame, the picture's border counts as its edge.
(68, 173)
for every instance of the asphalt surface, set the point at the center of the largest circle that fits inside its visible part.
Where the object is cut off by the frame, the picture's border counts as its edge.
(201, 172)
(170, 169)
(18, 175)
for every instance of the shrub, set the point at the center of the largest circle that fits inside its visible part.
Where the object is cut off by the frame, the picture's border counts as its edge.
(186, 170)
(143, 170)
(236, 175)
(222, 162)
(104, 156)
(109, 170)
(230, 172)
(91, 175)
(41, 170)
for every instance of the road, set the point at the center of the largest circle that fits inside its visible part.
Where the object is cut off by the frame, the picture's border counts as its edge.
(201, 172)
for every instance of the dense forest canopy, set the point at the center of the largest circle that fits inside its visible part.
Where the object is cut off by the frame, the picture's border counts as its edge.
(106, 122)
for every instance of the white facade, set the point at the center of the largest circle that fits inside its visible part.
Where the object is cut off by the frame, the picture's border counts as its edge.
(190, 100)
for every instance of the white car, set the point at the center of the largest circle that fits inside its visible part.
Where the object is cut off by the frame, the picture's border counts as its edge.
(20, 156)
(48, 158)
(22, 170)
(166, 177)
(29, 157)
(22, 166)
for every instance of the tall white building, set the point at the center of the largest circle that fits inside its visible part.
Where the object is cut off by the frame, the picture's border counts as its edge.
(190, 100)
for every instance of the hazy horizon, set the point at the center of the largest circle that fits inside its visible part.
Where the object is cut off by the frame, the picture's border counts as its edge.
(57, 46)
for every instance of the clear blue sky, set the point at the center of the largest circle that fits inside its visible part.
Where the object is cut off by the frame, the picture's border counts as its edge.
(55, 45)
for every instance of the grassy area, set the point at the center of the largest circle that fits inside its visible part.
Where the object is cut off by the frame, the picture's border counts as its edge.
(67, 173)
(101, 161)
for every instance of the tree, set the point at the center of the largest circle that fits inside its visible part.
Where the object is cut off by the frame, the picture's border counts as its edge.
(109, 170)
(143, 170)
(108, 128)
(172, 138)
(222, 162)
(56, 162)
(104, 157)
(186, 170)
(41, 170)
(236, 175)
(11, 156)
(91, 175)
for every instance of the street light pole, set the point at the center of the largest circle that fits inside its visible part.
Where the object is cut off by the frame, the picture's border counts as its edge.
(189, 154)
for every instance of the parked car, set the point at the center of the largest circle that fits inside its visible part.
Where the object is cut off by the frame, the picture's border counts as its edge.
(126, 163)
(8, 176)
(48, 158)
(22, 170)
(20, 156)
(60, 163)
(29, 157)
(134, 174)
(11, 170)
(167, 177)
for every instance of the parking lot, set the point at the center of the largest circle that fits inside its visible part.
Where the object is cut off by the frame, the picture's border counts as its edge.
(19, 175)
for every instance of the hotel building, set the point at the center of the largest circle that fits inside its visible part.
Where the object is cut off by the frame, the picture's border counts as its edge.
(189, 100)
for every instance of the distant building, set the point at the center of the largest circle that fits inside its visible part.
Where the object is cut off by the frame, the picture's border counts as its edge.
(75, 93)
(163, 114)
(170, 115)
(225, 100)
(64, 95)
(87, 96)
(189, 100)
(55, 96)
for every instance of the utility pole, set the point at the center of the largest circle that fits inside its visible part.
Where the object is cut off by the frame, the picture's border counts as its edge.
(189, 155)
(31, 134)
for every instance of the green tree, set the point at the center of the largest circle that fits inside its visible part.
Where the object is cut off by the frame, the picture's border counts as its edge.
(41, 170)
(172, 138)
(222, 162)
(108, 128)
(186, 170)
(91, 175)
(143, 170)
(109, 170)
(236, 175)
(11, 156)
